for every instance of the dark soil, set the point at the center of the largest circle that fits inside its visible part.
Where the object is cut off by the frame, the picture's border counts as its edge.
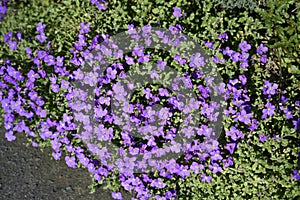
(26, 173)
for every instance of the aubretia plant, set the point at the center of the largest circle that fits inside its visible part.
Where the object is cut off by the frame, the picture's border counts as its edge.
(118, 107)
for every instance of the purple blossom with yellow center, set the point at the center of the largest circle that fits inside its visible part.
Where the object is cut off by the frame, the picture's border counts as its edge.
(269, 110)
(84, 28)
(244, 117)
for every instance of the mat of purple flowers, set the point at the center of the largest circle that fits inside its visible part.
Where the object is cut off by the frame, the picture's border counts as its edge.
(49, 103)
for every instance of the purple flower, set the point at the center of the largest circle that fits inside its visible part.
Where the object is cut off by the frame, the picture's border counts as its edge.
(129, 60)
(276, 137)
(117, 195)
(55, 88)
(254, 124)
(55, 144)
(157, 197)
(262, 137)
(205, 178)
(296, 174)
(28, 51)
(197, 61)
(209, 44)
(37, 62)
(263, 59)
(3, 9)
(180, 60)
(175, 147)
(243, 79)
(19, 36)
(296, 124)
(34, 144)
(177, 12)
(244, 117)
(100, 5)
(146, 30)
(131, 29)
(91, 168)
(223, 36)
(56, 155)
(111, 73)
(71, 161)
(41, 38)
(13, 45)
(215, 168)
(227, 162)
(269, 88)
(60, 61)
(144, 58)
(287, 112)
(161, 64)
(84, 28)
(197, 167)
(244, 56)
(147, 93)
(234, 133)
(244, 46)
(78, 74)
(244, 64)
(40, 27)
(189, 132)
(174, 30)
(235, 56)
(7, 36)
(83, 159)
(284, 99)
(261, 49)
(215, 156)
(268, 111)
(138, 51)
(81, 41)
(49, 60)
(42, 54)
(227, 51)
(32, 75)
(10, 136)
(64, 84)
(230, 147)
(158, 183)
(184, 172)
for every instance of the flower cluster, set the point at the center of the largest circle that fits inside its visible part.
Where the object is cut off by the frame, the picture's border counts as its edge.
(135, 124)
(41, 37)
(11, 40)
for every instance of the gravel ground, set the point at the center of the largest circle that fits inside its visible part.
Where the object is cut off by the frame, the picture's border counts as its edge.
(26, 173)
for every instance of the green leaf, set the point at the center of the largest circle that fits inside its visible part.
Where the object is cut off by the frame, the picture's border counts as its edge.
(155, 10)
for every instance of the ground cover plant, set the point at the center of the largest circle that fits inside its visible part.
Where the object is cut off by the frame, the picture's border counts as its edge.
(162, 99)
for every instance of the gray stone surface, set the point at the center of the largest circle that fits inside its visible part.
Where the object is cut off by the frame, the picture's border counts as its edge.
(26, 173)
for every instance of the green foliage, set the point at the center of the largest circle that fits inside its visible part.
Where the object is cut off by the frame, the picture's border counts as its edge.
(260, 172)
